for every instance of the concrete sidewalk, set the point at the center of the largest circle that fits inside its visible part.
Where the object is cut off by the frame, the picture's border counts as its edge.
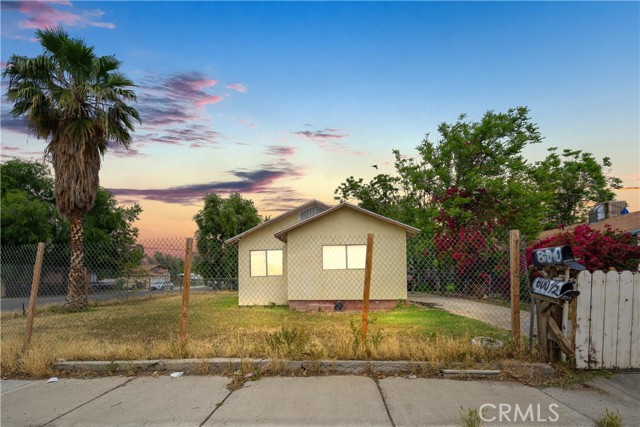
(307, 401)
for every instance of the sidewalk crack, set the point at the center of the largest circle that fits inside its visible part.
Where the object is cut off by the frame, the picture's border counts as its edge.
(218, 405)
(384, 401)
(87, 402)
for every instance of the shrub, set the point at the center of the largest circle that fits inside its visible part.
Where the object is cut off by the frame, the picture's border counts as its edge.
(607, 250)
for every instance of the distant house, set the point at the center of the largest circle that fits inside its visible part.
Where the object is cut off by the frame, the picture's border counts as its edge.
(146, 274)
(628, 223)
(312, 257)
(154, 273)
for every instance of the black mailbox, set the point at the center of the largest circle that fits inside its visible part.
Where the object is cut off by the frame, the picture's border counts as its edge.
(563, 291)
(556, 256)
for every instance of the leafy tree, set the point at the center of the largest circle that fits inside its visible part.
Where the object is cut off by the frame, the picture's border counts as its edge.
(573, 182)
(29, 216)
(219, 220)
(472, 184)
(33, 178)
(28, 209)
(26, 220)
(473, 176)
(77, 101)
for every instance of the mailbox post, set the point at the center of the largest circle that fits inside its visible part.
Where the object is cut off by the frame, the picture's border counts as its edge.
(550, 292)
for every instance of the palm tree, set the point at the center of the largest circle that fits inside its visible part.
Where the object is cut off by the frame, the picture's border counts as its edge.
(77, 101)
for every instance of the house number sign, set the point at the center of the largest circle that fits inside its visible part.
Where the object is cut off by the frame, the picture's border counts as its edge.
(558, 255)
(549, 287)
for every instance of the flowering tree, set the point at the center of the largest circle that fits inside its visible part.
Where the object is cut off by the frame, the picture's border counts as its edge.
(596, 250)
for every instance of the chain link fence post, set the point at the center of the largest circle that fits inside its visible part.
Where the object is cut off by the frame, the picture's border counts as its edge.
(35, 283)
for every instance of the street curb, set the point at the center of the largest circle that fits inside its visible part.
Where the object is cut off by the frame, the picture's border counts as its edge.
(232, 365)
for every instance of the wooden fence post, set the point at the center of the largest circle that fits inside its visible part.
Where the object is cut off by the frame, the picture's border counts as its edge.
(186, 285)
(514, 246)
(33, 299)
(367, 287)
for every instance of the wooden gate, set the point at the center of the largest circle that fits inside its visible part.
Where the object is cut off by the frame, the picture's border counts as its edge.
(607, 320)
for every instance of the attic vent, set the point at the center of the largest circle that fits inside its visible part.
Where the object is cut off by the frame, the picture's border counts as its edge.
(606, 210)
(312, 211)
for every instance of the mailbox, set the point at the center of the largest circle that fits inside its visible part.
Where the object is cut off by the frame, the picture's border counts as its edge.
(563, 291)
(556, 256)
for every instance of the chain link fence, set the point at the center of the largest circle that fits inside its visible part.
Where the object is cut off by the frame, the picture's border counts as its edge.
(468, 276)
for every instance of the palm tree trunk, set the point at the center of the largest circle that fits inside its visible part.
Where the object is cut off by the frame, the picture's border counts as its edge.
(75, 291)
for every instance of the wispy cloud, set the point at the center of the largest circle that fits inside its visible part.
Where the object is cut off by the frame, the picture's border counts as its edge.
(118, 150)
(282, 199)
(239, 87)
(194, 135)
(175, 99)
(329, 140)
(247, 123)
(280, 151)
(322, 135)
(248, 181)
(10, 152)
(43, 14)
(17, 125)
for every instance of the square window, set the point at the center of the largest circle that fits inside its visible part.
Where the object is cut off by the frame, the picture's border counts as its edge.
(274, 263)
(334, 258)
(266, 263)
(258, 263)
(356, 256)
(344, 257)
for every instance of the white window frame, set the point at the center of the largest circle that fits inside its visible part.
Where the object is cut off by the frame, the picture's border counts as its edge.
(358, 265)
(266, 263)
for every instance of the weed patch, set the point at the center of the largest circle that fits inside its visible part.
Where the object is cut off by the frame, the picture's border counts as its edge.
(217, 327)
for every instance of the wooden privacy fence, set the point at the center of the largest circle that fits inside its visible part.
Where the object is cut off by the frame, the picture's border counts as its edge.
(607, 320)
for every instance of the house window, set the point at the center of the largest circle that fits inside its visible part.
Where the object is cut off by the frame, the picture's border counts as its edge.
(344, 257)
(266, 263)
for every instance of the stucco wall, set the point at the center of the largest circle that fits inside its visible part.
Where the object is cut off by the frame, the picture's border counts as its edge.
(307, 279)
(269, 289)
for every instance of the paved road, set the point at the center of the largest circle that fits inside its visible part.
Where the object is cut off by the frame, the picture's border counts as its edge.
(308, 401)
(492, 314)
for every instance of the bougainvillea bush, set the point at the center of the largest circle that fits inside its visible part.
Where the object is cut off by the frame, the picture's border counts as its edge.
(596, 250)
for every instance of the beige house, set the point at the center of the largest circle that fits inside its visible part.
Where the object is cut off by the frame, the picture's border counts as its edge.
(312, 257)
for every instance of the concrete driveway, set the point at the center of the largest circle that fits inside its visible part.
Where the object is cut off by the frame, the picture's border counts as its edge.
(492, 314)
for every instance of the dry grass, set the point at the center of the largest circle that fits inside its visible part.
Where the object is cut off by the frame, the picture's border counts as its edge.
(217, 327)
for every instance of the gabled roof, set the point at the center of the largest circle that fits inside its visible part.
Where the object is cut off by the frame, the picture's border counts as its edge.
(628, 223)
(411, 231)
(235, 239)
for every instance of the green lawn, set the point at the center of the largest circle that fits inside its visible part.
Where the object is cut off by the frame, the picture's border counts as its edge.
(217, 327)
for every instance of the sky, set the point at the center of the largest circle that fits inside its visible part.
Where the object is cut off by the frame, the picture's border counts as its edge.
(282, 101)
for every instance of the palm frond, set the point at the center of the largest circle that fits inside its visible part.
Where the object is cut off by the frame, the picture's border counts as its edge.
(78, 102)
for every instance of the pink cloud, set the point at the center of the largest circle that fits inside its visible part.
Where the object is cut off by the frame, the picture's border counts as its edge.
(281, 151)
(238, 87)
(9, 148)
(327, 140)
(322, 134)
(190, 86)
(247, 123)
(247, 181)
(42, 15)
(176, 98)
(210, 99)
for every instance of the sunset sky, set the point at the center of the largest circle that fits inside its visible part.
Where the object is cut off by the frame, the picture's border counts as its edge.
(282, 101)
